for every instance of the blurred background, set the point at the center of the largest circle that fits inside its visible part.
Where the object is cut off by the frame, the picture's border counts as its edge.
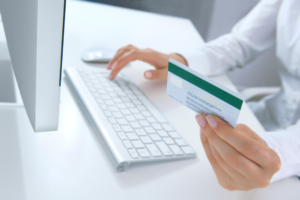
(213, 18)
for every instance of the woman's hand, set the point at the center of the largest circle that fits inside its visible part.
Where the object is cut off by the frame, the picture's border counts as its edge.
(158, 60)
(240, 158)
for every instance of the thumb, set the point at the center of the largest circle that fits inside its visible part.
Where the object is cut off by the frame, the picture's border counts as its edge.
(161, 74)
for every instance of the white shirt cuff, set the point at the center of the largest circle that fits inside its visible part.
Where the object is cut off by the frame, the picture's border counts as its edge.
(197, 60)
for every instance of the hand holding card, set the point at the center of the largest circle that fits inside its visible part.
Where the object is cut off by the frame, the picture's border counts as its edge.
(202, 94)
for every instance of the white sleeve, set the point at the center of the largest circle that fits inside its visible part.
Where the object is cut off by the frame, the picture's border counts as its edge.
(286, 143)
(253, 35)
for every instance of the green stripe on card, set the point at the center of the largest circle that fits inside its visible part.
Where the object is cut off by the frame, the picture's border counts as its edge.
(206, 86)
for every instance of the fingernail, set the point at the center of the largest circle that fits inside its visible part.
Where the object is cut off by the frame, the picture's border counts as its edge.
(148, 75)
(201, 120)
(108, 66)
(201, 132)
(110, 76)
(114, 65)
(212, 121)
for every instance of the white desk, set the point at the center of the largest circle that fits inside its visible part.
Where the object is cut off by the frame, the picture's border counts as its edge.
(71, 164)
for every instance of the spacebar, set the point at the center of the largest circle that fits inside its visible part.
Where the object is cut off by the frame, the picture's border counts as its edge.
(152, 109)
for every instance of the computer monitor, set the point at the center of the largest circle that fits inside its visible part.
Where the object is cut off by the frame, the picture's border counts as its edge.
(34, 33)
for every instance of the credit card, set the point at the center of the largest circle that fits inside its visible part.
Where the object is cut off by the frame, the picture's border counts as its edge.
(202, 94)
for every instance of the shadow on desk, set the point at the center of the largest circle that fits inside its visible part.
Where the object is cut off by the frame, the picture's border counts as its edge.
(11, 174)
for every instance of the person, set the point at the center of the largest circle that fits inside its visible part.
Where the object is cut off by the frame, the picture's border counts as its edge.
(241, 158)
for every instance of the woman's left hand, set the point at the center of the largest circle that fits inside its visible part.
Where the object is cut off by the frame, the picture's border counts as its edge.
(240, 158)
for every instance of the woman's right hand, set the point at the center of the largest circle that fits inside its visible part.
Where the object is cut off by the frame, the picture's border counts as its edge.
(131, 53)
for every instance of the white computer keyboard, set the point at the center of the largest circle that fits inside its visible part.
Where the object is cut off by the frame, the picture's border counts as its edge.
(129, 126)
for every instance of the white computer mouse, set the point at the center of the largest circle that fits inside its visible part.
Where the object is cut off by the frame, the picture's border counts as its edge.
(100, 55)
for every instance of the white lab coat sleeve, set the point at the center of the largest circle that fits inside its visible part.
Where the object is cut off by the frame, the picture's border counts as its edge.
(248, 39)
(286, 143)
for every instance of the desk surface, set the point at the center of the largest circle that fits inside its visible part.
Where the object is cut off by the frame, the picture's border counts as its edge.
(71, 164)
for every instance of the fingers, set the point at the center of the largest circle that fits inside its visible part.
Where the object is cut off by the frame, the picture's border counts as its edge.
(119, 53)
(242, 128)
(161, 74)
(248, 147)
(228, 153)
(122, 60)
(224, 179)
(234, 174)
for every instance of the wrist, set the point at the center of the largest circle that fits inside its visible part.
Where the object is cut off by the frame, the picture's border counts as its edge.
(178, 58)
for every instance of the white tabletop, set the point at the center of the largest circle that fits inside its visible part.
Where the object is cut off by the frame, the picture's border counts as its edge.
(71, 164)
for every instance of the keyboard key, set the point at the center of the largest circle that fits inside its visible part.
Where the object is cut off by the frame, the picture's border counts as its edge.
(168, 127)
(103, 107)
(174, 135)
(136, 102)
(140, 132)
(146, 139)
(113, 95)
(156, 126)
(122, 121)
(133, 153)
(137, 144)
(101, 92)
(113, 108)
(146, 113)
(109, 102)
(107, 113)
(117, 115)
(152, 109)
(95, 81)
(122, 94)
(127, 128)
(125, 99)
(122, 135)
(92, 89)
(117, 100)
(188, 150)
(105, 97)
(95, 94)
(144, 123)
(164, 148)
(99, 100)
(112, 120)
(130, 118)
(128, 92)
(129, 105)
(142, 108)
(132, 97)
(168, 140)
(121, 105)
(135, 125)
(149, 130)
(116, 127)
(134, 110)
(153, 150)
(151, 119)
(125, 111)
(176, 150)
(109, 89)
(105, 84)
(162, 133)
(181, 142)
(132, 136)
(139, 116)
(155, 137)
(98, 87)
(144, 153)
